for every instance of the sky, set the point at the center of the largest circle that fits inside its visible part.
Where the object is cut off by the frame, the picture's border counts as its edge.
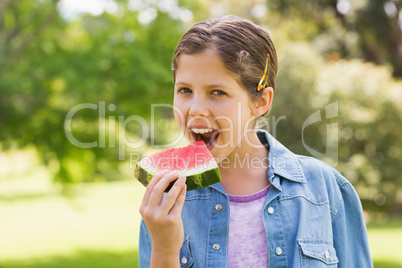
(69, 9)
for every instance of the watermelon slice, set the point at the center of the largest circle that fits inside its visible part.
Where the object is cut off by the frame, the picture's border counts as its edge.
(194, 161)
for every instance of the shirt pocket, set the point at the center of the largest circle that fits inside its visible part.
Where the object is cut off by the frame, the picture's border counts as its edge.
(317, 253)
(186, 258)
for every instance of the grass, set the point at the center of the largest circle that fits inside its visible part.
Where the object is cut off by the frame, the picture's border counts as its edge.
(100, 229)
(80, 259)
(97, 229)
(385, 244)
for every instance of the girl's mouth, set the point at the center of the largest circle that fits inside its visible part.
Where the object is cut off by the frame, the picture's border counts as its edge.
(208, 135)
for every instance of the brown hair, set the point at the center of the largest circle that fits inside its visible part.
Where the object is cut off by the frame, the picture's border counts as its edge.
(242, 46)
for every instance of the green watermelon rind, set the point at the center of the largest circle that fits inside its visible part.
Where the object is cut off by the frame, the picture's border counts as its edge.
(195, 181)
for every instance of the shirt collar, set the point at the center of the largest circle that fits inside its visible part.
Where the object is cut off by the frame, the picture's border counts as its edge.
(281, 160)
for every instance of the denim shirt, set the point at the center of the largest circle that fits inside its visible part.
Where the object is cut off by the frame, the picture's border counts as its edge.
(312, 218)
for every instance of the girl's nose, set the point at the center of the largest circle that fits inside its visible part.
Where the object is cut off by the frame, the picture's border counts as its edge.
(199, 107)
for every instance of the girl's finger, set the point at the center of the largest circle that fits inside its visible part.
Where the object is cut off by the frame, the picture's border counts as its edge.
(150, 187)
(178, 205)
(158, 190)
(171, 197)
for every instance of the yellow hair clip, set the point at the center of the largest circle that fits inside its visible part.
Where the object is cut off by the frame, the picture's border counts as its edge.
(266, 74)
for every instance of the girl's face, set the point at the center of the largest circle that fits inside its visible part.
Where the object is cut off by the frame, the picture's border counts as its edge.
(210, 105)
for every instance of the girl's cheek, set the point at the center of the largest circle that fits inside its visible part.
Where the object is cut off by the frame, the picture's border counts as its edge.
(179, 115)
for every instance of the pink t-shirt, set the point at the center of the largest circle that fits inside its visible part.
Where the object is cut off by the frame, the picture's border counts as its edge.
(247, 242)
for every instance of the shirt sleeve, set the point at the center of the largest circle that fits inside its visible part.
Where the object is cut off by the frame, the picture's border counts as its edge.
(349, 229)
(145, 247)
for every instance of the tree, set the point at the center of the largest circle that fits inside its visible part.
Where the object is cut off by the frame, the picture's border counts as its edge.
(114, 66)
(371, 30)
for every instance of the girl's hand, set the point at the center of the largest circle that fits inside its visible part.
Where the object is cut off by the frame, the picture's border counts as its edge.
(163, 218)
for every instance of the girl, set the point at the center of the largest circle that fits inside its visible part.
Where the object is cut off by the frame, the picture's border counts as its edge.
(272, 208)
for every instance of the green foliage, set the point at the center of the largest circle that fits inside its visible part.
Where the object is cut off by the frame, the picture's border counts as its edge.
(50, 66)
(362, 29)
(369, 123)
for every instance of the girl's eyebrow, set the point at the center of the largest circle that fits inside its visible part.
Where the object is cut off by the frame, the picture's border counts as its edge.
(215, 85)
(182, 83)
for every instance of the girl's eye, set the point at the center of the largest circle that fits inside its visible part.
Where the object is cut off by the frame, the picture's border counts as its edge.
(218, 93)
(184, 90)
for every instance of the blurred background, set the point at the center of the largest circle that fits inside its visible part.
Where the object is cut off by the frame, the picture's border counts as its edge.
(84, 93)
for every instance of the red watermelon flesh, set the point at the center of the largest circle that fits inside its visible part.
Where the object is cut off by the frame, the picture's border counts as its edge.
(195, 161)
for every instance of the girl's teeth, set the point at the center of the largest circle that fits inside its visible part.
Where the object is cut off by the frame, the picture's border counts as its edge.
(201, 130)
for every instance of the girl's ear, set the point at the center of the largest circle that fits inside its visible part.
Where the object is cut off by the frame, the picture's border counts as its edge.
(264, 103)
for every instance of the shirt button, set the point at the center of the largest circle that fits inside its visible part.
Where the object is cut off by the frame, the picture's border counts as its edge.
(218, 207)
(184, 260)
(216, 246)
(326, 254)
(278, 251)
(270, 210)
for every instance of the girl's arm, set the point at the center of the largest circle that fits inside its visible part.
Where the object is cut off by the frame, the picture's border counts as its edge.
(350, 233)
(163, 221)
